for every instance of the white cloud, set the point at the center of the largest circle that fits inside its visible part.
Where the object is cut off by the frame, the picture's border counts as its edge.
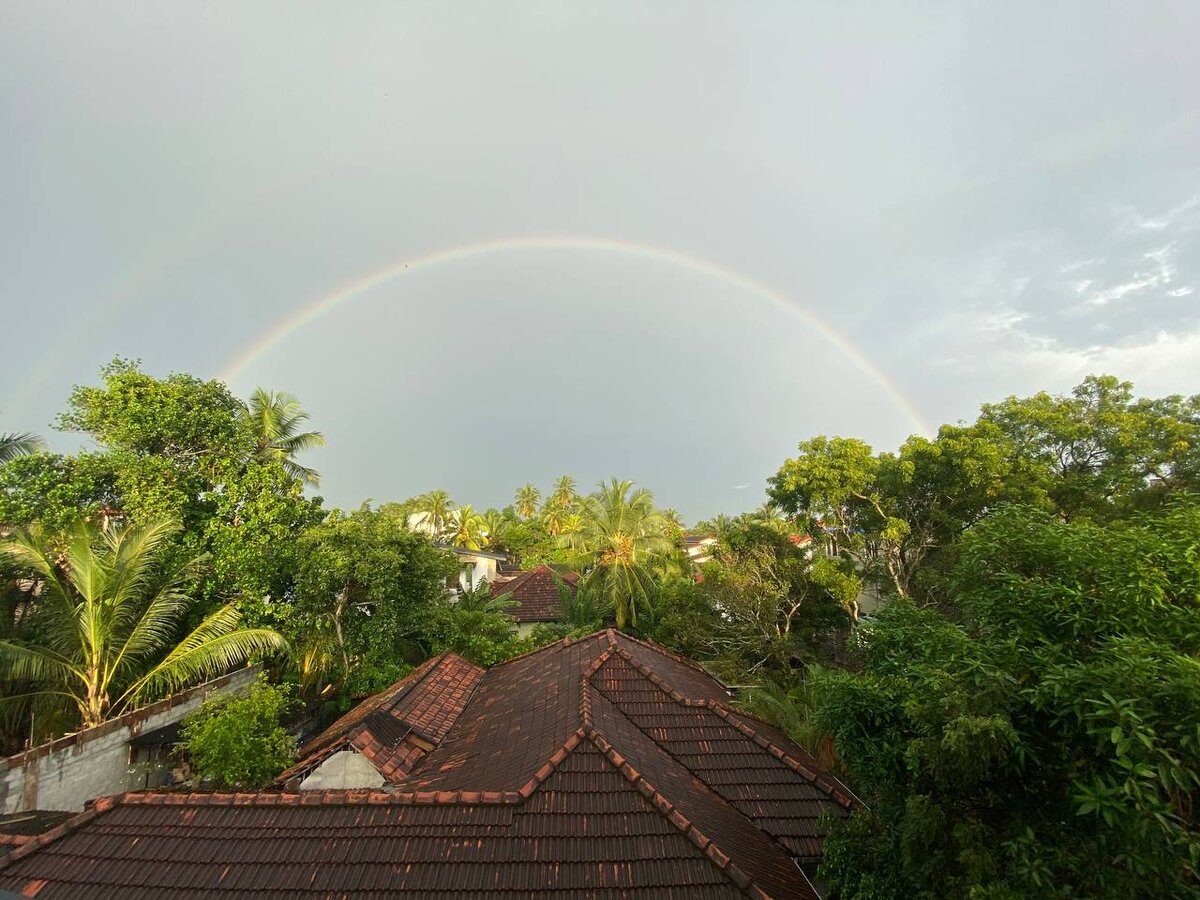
(1163, 257)
(1182, 291)
(1185, 215)
(1070, 268)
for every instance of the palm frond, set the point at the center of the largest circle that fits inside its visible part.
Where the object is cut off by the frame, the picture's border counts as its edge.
(214, 647)
(26, 662)
(14, 444)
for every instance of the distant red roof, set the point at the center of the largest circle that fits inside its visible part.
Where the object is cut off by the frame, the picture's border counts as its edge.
(536, 594)
(603, 767)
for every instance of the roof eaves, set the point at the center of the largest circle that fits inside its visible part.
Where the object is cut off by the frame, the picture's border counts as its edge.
(836, 790)
(97, 807)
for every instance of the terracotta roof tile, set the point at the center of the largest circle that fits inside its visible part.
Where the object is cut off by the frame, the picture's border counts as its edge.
(397, 726)
(591, 768)
(536, 593)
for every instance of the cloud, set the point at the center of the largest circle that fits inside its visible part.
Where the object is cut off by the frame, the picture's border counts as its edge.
(1165, 270)
(1186, 215)
(739, 487)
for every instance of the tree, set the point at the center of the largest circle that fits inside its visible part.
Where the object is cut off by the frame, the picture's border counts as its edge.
(435, 509)
(774, 602)
(526, 501)
(623, 539)
(890, 512)
(1099, 451)
(467, 529)
(181, 418)
(240, 742)
(495, 528)
(366, 588)
(1043, 737)
(176, 448)
(553, 517)
(565, 493)
(102, 633)
(275, 420)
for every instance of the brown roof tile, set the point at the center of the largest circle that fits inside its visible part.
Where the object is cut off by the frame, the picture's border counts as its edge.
(397, 726)
(591, 768)
(536, 593)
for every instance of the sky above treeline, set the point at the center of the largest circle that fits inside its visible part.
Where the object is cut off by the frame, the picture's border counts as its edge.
(492, 243)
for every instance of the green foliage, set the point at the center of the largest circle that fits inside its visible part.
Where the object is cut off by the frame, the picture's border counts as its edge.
(275, 420)
(101, 636)
(484, 635)
(1100, 452)
(1045, 744)
(180, 418)
(239, 742)
(773, 602)
(55, 490)
(16, 444)
(526, 501)
(625, 542)
(369, 588)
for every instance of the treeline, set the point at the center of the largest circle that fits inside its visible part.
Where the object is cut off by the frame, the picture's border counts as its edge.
(183, 543)
(1023, 718)
(1018, 706)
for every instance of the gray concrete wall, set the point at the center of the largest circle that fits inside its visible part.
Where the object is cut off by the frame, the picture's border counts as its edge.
(66, 773)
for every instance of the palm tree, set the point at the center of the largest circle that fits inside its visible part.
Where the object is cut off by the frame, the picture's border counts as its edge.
(565, 494)
(625, 540)
(526, 501)
(275, 419)
(434, 509)
(495, 524)
(14, 445)
(101, 636)
(467, 528)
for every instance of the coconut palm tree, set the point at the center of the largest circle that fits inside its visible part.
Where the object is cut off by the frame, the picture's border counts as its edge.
(18, 444)
(564, 494)
(434, 508)
(526, 501)
(102, 634)
(624, 540)
(495, 524)
(275, 419)
(466, 528)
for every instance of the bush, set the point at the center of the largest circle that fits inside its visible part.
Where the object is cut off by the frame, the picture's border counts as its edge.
(239, 741)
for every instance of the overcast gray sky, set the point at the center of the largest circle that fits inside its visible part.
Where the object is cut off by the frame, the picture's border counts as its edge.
(653, 240)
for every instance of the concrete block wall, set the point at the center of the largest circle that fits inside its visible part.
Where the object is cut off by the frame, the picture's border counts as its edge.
(66, 773)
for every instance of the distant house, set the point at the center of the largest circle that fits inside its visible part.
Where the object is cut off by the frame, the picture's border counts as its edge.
(475, 566)
(601, 767)
(536, 596)
(699, 547)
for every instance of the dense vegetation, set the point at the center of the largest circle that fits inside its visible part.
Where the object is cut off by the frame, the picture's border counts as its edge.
(993, 634)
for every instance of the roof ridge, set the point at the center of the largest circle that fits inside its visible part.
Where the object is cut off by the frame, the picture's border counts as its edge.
(422, 671)
(559, 644)
(665, 651)
(675, 817)
(825, 782)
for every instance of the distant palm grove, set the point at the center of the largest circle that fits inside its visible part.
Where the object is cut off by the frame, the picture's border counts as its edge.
(991, 635)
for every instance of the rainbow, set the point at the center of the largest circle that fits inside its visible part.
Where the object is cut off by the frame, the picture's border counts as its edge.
(322, 306)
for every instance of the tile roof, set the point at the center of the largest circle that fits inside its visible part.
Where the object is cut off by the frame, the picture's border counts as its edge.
(398, 726)
(536, 593)
(599, 767)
